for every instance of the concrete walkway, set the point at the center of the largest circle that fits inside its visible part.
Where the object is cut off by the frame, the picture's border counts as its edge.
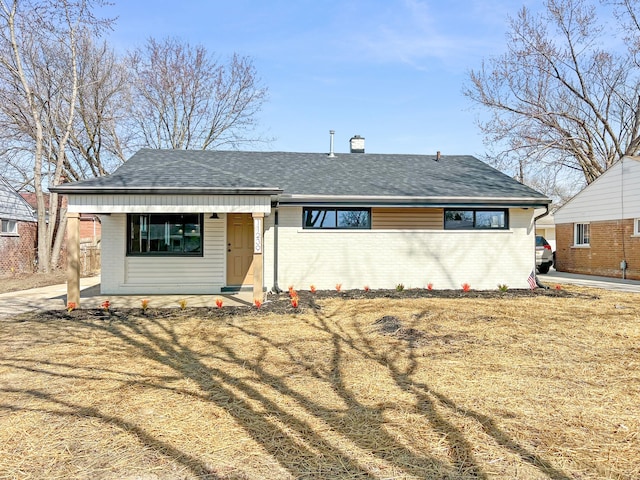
(54, 297)
(554, 278)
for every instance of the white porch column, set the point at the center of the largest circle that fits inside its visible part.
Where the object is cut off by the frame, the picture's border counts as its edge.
(73, 258)
(258, 267)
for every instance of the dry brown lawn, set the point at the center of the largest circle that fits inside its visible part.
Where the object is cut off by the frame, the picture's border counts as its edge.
(447, 388)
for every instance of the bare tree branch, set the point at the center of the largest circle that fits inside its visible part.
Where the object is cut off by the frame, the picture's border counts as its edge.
(186, 99)
(556, 97)
(39, 85)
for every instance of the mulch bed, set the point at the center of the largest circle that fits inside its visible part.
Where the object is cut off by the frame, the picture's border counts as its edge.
(281, 303)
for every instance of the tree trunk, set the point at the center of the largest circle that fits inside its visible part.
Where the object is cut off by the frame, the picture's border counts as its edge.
(60, 237)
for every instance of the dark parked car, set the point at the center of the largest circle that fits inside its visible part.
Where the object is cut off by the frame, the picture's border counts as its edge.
(544, 255)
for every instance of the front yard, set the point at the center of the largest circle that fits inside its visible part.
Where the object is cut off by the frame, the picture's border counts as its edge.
(522, 387)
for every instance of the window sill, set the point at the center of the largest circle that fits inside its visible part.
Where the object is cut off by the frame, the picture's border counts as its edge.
(9, 235)
(580, 246)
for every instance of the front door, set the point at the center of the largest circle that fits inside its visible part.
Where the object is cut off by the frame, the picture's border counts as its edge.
(239, 249)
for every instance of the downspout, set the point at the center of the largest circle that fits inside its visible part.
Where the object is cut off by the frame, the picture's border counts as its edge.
(623, 263)
(275, 288)
(542, 215)
(535, 219)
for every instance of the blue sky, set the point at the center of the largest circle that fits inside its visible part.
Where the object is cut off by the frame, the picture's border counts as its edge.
(389, 70)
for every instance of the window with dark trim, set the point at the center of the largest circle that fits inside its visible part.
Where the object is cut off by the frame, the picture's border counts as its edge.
(476, 219)
(336, 218)
(177, 234)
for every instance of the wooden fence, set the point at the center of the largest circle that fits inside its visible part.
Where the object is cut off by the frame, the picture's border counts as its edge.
(89, 260)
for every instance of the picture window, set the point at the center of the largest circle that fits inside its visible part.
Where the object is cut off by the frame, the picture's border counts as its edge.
(164, 234)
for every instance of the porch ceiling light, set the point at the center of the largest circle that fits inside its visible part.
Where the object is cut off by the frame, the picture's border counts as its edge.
(214, 216)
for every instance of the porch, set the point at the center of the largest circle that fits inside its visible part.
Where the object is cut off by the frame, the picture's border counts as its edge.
(194, 244)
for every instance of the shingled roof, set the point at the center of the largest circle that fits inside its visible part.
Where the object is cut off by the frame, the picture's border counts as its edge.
(307, 177)
(13, 206)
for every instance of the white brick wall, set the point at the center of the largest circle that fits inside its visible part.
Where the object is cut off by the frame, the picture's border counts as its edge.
(378, 258)
(385, 258)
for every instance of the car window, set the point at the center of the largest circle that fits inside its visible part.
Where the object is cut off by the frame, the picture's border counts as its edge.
(541, 242)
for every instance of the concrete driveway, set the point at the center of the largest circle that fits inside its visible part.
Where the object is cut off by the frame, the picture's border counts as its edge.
(554, 278)
(54, 297)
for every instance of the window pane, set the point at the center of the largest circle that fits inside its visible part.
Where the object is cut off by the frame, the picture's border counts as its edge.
(159, 236)
(354, 219)
(458, 219)
(319, 218)
(490, 219)
(9, 226)
(192, 236)
(138, 233)
(165, 233)
(582, 234)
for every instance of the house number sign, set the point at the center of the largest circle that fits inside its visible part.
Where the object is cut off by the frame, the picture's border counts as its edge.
(257, 235)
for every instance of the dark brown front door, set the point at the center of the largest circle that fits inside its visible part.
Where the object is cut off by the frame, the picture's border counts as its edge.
(239, 249)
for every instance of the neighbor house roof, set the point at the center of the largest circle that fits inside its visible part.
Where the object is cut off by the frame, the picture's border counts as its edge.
(13, 206)
(314, 178)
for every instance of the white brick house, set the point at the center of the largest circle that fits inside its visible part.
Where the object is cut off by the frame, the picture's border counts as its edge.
(207, 222)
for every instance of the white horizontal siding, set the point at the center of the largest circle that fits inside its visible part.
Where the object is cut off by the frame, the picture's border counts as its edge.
(613, 196)
(85, 203)
(158, 274)
(386, 258)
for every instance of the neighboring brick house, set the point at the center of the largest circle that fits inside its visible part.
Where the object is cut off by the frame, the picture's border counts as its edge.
(90, 234)
(598, 230)
(18, 232)
(90, 227)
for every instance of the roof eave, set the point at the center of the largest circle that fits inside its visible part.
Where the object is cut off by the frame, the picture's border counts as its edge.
(331, 200)
(79, 190)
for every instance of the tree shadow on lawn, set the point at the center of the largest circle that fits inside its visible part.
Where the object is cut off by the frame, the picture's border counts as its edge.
(282, 429)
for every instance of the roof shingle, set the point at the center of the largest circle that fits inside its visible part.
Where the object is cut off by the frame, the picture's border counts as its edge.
(309, 175)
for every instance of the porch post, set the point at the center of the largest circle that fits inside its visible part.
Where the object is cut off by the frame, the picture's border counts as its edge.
(73, 258)
(258, 268)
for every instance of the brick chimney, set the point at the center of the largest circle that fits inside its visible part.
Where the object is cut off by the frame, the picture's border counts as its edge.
(357, 144)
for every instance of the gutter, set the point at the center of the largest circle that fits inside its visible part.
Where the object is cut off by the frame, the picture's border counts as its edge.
(70, 189)
(444, 202)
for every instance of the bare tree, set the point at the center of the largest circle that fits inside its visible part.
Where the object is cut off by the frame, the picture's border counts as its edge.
(186, 99)
(39, 88)
(557, 101)
(99, 139)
